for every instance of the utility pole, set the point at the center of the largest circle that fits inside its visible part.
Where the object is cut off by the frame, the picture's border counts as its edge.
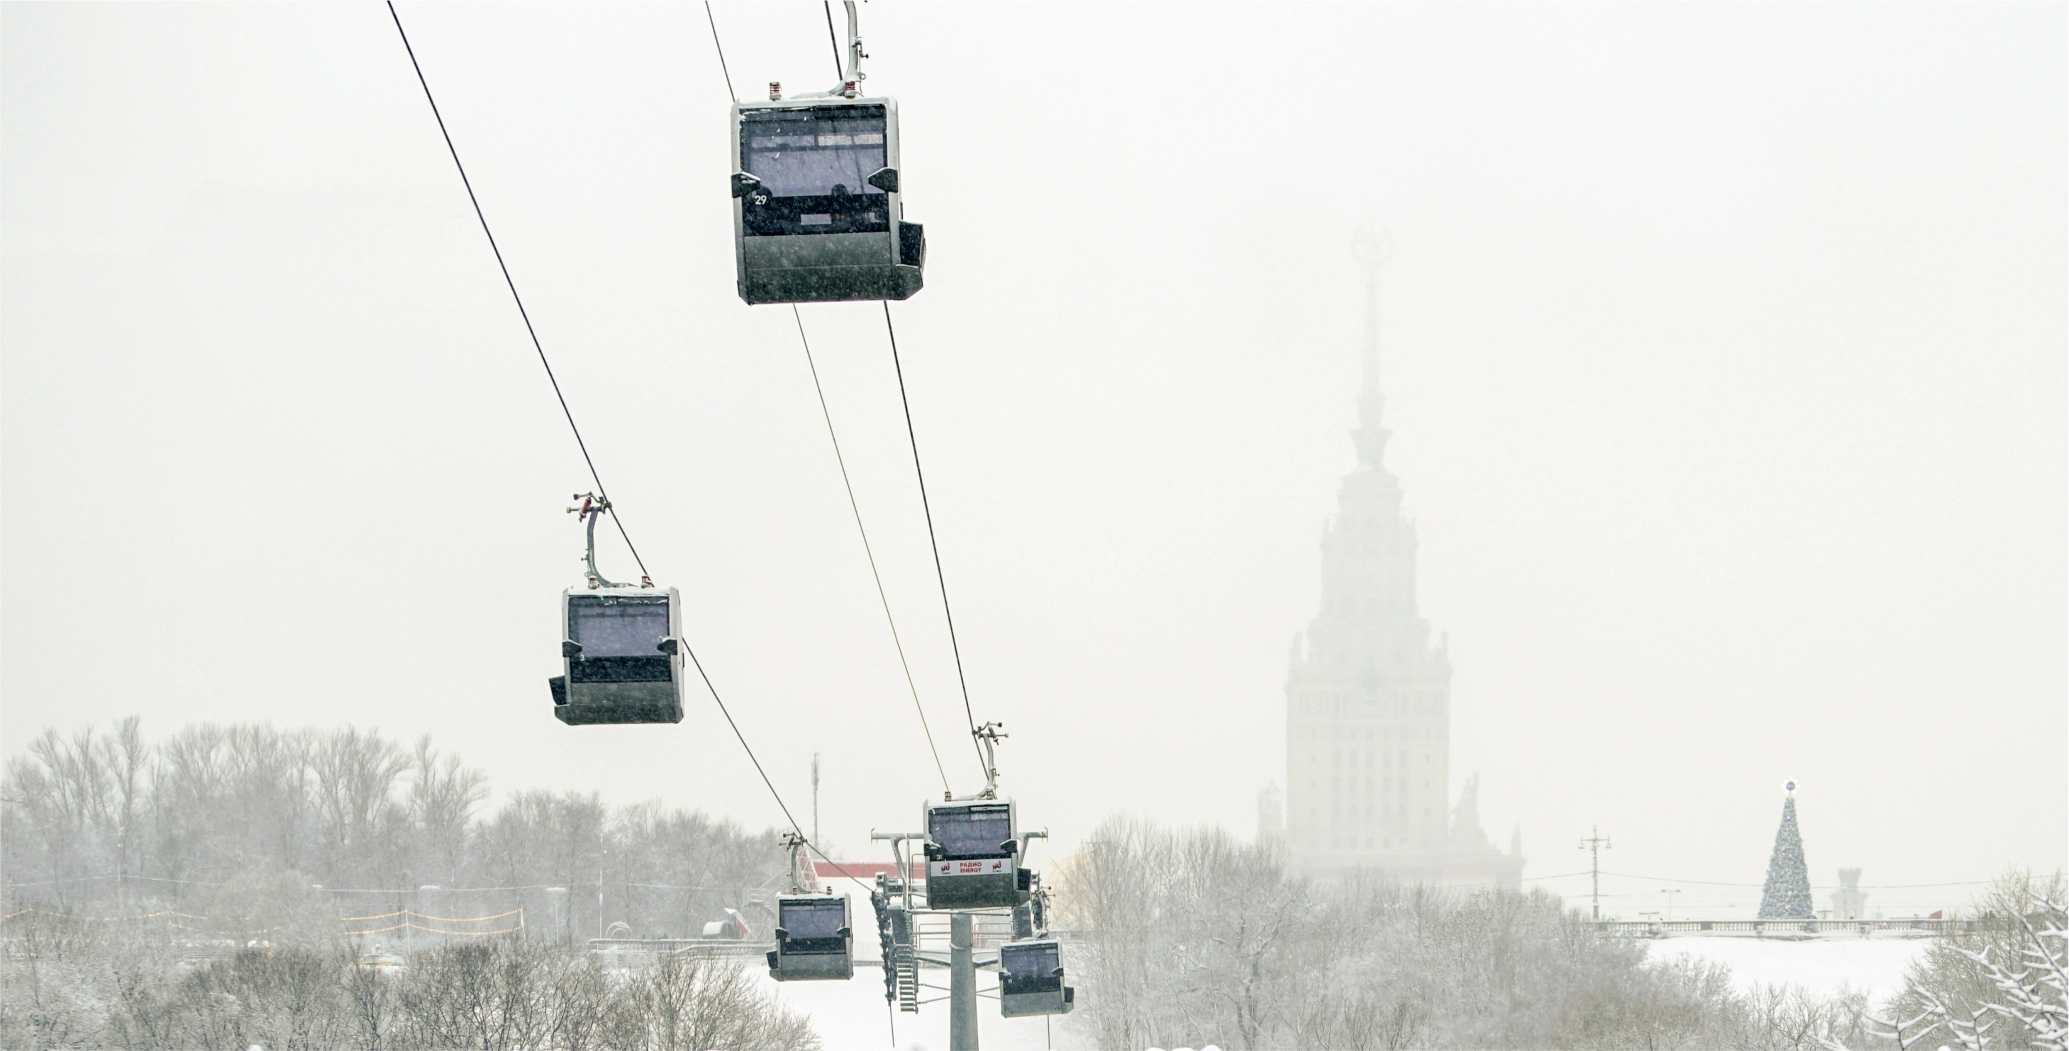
(1593, 845)
(962, 985)
(815, 797)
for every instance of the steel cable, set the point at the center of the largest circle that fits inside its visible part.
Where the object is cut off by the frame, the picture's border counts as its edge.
(840, 70)
(856, 507)
(934, 544)
(478, 214)
(720, 48)
(508, 280)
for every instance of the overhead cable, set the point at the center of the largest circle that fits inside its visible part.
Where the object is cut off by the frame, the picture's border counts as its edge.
(866, 550)
(508, 280)
(833, 38)
(720, 48)
(934, 544)
(796, 828)
(770, 785)
(571, 418)
(954, 646)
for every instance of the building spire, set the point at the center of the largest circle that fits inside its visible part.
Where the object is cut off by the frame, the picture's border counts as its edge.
(1370, 247)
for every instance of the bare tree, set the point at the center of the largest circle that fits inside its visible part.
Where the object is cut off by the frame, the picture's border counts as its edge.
(356, 774)
(442, 799)
(1188, 937)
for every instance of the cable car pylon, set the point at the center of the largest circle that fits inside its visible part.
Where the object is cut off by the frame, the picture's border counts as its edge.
(972, 846)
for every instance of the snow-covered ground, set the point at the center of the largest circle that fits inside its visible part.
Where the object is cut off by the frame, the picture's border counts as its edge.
(852, 1014)
(1873, 965)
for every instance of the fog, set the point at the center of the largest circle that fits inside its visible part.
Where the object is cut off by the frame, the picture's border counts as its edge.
(1723, 347)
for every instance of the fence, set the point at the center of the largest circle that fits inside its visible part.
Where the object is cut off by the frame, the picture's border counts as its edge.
(406, 922)
(1785, 929)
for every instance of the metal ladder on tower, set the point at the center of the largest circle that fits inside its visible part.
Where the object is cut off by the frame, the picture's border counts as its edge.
(908, 974)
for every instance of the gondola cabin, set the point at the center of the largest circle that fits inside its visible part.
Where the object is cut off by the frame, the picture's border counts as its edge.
(814, 942)
(1031, 980)
(973, 856)
(621, 655)
(817, 215)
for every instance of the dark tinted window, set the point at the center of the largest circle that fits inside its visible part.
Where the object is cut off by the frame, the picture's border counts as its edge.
(804, 920)
(617, 627)
(821, 152)
(1030, 961)
(970, 832)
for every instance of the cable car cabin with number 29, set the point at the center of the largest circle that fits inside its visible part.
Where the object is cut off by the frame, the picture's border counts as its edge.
(973, 854)
(816, 210)
(622, 655)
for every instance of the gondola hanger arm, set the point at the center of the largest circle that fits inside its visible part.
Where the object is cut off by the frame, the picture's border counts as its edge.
(851, 76)
(803, 878)
(590, 509)
(988, 736)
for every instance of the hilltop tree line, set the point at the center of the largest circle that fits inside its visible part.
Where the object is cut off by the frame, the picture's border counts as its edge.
(214, 818)
(70, 983)
(1189, 937)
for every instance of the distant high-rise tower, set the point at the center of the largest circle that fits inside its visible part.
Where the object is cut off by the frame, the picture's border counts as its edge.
(1787, 894)
(1368, 698)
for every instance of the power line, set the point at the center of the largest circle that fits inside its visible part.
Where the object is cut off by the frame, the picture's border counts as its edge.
(508, 280)
(939, 578)
(1822, 886)
(720, 48)
(878, 577)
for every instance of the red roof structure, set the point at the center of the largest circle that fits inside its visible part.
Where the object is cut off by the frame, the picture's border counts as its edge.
(866, 871)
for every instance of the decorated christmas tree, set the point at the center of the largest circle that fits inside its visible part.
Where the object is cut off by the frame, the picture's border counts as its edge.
(1787, 894)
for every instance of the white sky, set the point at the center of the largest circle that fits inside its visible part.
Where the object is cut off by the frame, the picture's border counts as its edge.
(1725, 352)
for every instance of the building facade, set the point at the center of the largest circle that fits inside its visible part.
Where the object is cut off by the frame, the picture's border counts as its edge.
(1368, 696)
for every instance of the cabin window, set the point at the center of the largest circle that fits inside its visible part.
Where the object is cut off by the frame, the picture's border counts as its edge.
(972, 833)
(617, 627)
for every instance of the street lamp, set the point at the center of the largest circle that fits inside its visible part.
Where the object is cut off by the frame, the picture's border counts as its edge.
(1670, 892)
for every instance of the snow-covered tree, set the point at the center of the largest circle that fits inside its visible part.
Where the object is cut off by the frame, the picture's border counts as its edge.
(1787, 893)
(1998, 985)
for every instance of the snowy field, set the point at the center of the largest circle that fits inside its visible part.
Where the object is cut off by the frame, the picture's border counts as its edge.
(1825, 966)
(852, 1015)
